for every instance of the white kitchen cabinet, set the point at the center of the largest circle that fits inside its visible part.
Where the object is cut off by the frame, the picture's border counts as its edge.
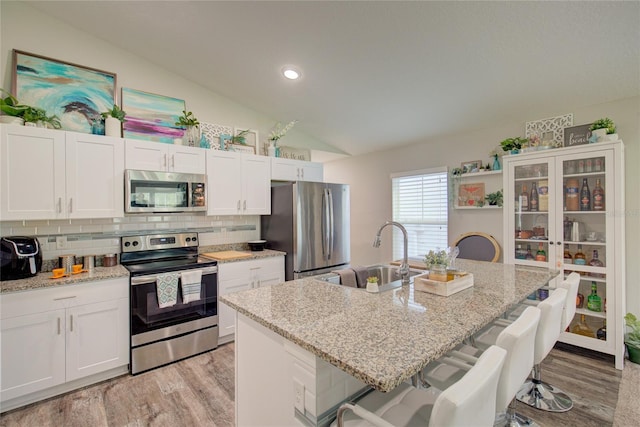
(240, 276)
(58, 335)
(156, 156)
(295, 170)
(51, 174)
(238, 184)
(559, 175)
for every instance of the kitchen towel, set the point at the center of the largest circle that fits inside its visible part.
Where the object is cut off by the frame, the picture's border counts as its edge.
(167, 289)
(347, 277)
(361, 276)
(191, 285)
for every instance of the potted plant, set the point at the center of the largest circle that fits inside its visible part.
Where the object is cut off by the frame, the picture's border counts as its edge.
(494, 199)
(632, 338)
(604, 129)
(34, 116)
(372, 284)
(12, 110)
(277, 133)
(190, 123)
(113, 120)
(240, 138)
(513, 144)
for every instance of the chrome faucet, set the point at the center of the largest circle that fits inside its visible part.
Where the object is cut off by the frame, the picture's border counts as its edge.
(404, 267)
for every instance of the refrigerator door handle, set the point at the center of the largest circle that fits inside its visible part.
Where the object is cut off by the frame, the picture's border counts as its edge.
(331, 223)
(325, 223)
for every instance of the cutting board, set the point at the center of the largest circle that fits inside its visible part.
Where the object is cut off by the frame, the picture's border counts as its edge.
(223, 255)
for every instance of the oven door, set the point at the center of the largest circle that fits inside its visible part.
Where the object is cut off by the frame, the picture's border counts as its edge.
(149, 322)
(149, 191)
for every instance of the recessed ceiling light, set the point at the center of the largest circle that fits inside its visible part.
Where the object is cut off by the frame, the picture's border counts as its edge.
(291, 73)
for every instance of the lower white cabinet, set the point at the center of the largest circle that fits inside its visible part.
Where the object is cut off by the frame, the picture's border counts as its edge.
(296, 170)
(240, 276)
(56, 335)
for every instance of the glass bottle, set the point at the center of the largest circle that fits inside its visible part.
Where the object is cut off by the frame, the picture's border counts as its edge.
(533, 200)
(581, 328)
(541, 255)
(594, 302)
(520, 253)
(529, 255)
(585, 196)
(579, 300)
(601, 333)
(568, 259)
(579, 258)
(595, 261)
(598, 196)
(572, 195)
(524, 199)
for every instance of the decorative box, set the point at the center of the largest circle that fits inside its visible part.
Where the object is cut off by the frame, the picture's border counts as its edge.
(422, 283)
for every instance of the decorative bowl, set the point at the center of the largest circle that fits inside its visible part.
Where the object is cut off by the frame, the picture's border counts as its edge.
(257, 245)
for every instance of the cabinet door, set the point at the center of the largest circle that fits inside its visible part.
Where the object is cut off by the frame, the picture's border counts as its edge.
(33, 353)
(256, 184)
(97, 338)
(313, 172)
(271, 271)
(102, 159)
(224, 183)
(232, 277)
(146, 155)
(32, 163)
(295, 170)
(186, 159)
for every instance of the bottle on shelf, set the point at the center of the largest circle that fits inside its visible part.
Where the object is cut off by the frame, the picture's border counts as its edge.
(594, 302)
(581, 328)
(601, 333)
(598, 196)
(572, 195)
(579, 300)
(568, 259)
(579, 258)
(529, 255)
(520, 253)
(543, 196)
(585, 196)
(533, 199)
(595, 262)
(524, 199)
(541, 255)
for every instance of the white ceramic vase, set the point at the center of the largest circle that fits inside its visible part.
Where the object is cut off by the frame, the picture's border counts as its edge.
(112, 127)
(600, 133)
(271, 151)
(11, 120)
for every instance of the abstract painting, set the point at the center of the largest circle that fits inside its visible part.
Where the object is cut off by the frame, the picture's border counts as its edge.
(150, 116)
(74, 93)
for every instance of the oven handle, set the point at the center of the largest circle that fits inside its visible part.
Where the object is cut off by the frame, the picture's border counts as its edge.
(143, 280)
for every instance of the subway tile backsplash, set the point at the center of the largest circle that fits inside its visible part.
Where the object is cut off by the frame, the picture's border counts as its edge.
(102, 236)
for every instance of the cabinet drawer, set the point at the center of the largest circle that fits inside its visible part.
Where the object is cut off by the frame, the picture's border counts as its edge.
(41, 300)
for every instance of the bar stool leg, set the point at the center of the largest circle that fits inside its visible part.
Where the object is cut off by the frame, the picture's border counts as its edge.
(543, 396)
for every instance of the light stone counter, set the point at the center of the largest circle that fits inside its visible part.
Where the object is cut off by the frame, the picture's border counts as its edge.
(383, 339)
(44, 280)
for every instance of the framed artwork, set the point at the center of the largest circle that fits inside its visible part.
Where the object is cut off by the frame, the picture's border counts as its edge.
(470, 194)
(150, 116)
(213, 133)
(576, 135)
(552, 124)
(250, 137)
(471, 166)
(295, 153)
(74, 93)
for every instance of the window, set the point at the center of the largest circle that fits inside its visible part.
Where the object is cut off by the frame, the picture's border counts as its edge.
(420, 204)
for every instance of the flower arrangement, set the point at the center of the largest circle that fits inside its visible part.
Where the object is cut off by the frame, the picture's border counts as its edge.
(605, 123)
(279, 131)
(436, 257)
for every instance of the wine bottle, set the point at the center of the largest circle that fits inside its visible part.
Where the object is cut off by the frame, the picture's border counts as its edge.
(585, 196)
(598, 196)
(533, 200)
(568, 259)
(524, 199)
(594, 302)
(541, 255)
(529, 255)
(579, 300)
(596, 262)
(601, 333)
(581, 328)
(579, 258)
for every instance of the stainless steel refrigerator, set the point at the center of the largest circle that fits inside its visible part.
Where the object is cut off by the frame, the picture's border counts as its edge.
(310, 222)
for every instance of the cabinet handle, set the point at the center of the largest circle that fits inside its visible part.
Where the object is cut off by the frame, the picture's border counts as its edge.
(244, 205)
(59, 204)
(173, 161)
(71, 205)
(298, 173)
(58, 299)
(558, 243)
(238, 208)
(302, 173)
(165, 161)
(550, 242)
(71, 319)
(59, 331)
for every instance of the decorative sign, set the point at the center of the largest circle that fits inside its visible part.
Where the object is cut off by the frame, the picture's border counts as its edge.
(470, 194)
(552, 124)
(294, 153)
(577, 135)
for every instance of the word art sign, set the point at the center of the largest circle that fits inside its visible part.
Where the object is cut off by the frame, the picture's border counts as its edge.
(576, 135)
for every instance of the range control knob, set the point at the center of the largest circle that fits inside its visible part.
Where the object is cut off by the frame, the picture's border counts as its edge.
(194, 239)
(188, 239)
(127, 244)
(135, 243)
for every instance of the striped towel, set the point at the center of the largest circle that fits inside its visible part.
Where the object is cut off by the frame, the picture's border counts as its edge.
(167, 289)
(191, 285)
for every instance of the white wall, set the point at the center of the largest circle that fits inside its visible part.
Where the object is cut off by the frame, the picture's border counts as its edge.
(369, 177)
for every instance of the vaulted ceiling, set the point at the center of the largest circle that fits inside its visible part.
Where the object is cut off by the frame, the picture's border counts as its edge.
(379, 74)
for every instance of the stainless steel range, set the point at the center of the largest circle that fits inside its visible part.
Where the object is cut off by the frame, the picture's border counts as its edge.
(174, 299)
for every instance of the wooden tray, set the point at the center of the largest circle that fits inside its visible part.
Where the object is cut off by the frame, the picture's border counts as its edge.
(223, 255)
(422, 283)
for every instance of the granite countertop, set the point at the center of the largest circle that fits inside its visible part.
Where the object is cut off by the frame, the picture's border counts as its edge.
(383, 339)
(267, 253)
(44, 280)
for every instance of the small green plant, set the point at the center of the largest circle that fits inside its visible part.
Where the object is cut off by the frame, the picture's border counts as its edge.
(34, 115)
(10, 106)
(633, 337)
(436, 257)
(187, 119)
(494, 199)
(372, 279)
(240, 138)
(115, 112)
(456, 171)
(605, 123)
(513, 143)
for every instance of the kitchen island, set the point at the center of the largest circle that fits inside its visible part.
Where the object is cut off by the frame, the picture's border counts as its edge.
(304, 346)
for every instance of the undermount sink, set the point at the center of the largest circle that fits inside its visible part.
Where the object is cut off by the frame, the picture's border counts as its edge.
(388, 276)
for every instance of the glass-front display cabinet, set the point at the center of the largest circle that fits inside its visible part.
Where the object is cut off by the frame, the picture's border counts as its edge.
(564, 210)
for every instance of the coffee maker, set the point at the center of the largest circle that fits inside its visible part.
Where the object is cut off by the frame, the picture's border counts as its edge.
(20, 257)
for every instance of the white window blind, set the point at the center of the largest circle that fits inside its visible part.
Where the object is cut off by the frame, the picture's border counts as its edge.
(420, 204)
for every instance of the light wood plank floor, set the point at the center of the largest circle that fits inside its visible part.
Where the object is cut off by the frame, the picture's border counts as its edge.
(200, 392)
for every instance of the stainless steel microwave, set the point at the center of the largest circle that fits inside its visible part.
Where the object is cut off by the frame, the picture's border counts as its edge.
(150, 191)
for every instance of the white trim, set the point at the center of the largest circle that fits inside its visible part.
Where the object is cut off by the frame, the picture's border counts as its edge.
(419, 172)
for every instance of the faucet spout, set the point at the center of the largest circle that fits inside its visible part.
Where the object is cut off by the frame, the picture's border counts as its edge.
(404, 267)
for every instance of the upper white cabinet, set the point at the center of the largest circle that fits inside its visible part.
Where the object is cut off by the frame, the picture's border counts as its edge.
(51, 174)
(155, 156)
(238, 184)
(295, 170)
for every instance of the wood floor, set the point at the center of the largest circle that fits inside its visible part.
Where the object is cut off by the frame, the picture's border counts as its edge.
(200, 392)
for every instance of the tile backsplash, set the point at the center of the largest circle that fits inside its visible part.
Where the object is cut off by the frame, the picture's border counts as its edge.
(102, 236)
